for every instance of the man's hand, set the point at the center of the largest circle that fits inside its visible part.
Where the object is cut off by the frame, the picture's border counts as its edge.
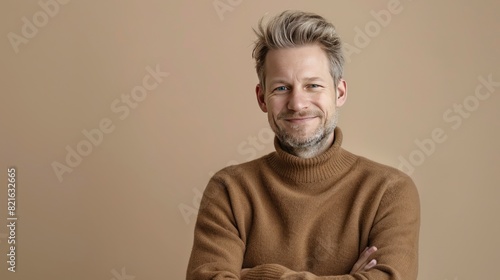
(363, 263)
(244, 271)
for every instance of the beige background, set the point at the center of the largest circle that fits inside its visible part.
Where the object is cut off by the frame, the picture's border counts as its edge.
(117, 215)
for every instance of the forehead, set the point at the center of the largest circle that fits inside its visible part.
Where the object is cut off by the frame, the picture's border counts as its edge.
(300, 63)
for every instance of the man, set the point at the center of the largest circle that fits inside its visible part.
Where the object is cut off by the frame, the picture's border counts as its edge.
(310, 210)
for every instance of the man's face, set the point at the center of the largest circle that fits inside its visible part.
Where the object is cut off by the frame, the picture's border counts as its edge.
(300, 98)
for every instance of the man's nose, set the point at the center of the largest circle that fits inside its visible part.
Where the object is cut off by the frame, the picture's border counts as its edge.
(298, 100)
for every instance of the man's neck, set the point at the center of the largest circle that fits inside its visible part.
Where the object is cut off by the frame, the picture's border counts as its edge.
(310, 152)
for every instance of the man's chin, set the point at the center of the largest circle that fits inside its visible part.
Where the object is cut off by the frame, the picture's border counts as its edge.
(300, 131)
(299, 142)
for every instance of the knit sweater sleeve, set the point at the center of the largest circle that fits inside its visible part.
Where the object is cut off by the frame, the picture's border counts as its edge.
(394, 231)
(218, 250)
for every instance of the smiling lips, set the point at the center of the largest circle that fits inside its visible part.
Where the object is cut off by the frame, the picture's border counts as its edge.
(300, 119)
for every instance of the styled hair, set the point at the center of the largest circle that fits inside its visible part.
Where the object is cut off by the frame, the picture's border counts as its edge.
(293, 29)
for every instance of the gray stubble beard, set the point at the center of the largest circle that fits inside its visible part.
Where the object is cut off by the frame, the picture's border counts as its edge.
(311, 143)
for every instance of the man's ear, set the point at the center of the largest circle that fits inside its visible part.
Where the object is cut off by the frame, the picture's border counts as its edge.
(341, 92)
(260, 94)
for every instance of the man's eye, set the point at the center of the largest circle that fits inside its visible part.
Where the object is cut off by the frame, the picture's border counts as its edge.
(281, 88)
(314, 86)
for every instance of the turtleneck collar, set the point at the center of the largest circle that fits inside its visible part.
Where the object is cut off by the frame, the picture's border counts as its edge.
(332, 163)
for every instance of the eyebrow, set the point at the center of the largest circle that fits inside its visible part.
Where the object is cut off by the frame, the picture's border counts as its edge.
(283, 81)
(314, 79)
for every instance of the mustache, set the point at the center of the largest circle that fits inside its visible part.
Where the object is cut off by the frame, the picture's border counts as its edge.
(301, 114)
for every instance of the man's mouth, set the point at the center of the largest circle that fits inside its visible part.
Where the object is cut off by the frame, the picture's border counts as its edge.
(300, 119)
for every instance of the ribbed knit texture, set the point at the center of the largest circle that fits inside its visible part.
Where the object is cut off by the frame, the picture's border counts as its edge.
(285, 215)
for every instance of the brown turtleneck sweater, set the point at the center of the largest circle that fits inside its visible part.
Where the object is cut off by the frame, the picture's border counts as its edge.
(283, 214)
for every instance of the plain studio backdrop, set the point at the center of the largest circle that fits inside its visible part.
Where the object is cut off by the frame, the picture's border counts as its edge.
(115, 114)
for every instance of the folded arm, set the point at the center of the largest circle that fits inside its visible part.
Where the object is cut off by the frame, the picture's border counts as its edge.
(364, 263)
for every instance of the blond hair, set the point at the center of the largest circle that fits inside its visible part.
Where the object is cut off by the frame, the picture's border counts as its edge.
(296, 28)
